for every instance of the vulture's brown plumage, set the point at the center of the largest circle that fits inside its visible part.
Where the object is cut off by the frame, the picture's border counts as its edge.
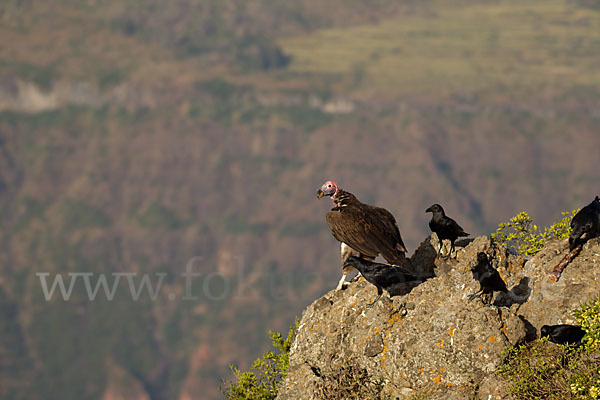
(366, 229)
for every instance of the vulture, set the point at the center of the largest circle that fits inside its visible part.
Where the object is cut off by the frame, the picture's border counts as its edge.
(488, 277)
(585, 222)
(563, 334)
(444, 227)
(362, 229)
(383, 276)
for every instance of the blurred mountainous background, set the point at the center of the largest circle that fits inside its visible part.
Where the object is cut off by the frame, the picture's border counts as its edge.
(140, 136)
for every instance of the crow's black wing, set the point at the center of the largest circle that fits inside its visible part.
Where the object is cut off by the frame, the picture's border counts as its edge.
(490, 279)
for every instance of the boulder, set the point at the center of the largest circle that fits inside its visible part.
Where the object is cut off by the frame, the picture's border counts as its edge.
(433, 340)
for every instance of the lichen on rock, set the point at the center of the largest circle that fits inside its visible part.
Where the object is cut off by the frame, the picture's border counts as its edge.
(434, 340)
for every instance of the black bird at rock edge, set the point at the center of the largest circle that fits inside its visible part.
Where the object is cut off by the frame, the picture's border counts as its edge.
(488, 277)
(444, 227)
(585, 222)
(383, 276)
(563, 333)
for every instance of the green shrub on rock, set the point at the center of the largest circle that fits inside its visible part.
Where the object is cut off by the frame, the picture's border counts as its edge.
(522, 235)
(542, 370)
(271, 369)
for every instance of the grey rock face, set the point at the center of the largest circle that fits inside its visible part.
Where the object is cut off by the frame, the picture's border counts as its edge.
(551, 303)
(434, 339)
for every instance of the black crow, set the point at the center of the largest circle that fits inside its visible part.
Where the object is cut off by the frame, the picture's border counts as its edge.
(488, 277)
(444, 227)
(383, 276)
(563, 334)
(586, 221)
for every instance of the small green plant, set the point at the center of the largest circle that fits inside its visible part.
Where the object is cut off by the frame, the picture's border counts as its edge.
(271, 369)
(588, 316)
(537, 371)
(522, 235)
(349, 382)
(541, 370)
(585, 385)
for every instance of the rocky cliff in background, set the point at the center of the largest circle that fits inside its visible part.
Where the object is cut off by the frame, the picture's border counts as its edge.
(434, 341)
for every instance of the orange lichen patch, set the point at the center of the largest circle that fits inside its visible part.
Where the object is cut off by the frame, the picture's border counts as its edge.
(442, 370)
(421, 369)
(394, 318)
(385, 349)
(504, 330)
(376, 330)
(480, 347)
(438, 379)
(328, 330)
(450, 332)
(441, 344)
(491, 339)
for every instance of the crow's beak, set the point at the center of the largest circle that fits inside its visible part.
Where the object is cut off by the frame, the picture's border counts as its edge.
(429, 210)
(348, 266)
(319, 194)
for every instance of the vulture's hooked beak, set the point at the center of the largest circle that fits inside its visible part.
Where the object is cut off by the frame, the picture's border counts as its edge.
(429, 210)
(319, 194)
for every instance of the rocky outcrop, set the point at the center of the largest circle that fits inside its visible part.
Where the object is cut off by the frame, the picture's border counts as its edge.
(552, 302)
(434, 340)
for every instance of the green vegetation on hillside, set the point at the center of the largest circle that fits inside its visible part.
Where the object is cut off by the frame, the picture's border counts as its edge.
(271, 369)
(492, 48)
(543, 370)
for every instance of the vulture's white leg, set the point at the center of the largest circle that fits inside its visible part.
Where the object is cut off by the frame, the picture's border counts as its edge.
(342, 282)
(345, 252)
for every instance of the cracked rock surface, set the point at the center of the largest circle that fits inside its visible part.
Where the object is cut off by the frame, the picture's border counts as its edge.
(434, 339)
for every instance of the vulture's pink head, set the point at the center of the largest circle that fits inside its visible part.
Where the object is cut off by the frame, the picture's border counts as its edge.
(329, 188)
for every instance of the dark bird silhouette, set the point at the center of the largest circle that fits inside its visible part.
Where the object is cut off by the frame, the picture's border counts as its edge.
(563, 334)
(362, 229)
(383, 276)
(488, 277)
(444, 227)
(585, 222)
